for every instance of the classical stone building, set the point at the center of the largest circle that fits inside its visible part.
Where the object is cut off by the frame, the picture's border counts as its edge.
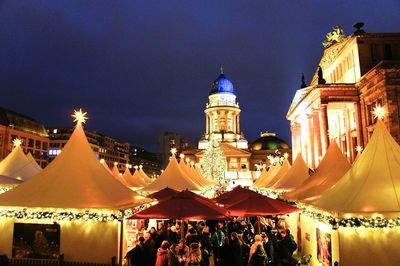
(356, 73)
(223, 124)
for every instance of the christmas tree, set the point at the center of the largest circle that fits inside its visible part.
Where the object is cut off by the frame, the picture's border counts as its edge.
(213, 164)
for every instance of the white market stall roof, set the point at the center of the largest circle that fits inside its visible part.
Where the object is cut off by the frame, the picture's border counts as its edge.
(267, 176)
(197, 179)
(75, 179)
(145, 177)
(135, 180)
(118, 176)
(372, 185)
(294, 177)
(283, 170)
(18, 165)
(331, 168)
(173, 177)
(31, 159)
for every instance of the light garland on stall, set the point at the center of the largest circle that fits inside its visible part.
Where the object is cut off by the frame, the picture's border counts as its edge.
(351, 222)
(62, 215)
(5, 189)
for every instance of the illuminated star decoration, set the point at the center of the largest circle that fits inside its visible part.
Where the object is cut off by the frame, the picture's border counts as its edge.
(359, 149)
(80, 116)
(173, 151)
(379, 112)
(17, 142)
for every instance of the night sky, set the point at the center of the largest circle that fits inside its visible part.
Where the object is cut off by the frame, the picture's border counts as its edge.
(143, 67)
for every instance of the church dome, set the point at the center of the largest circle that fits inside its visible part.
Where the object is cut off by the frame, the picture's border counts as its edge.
(222, 85)
(269, 141)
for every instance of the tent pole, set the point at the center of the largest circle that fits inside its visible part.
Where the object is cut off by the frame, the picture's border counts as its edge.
(121, 237)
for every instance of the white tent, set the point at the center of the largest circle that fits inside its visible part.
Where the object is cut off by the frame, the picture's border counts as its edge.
(372, 185)
(332, 167)
(30, 157)
(173, 177)
(18, 165)
(197, 179)
(71, 189)
(265, 178)
(103, 163)
(115, 172)
(283, 170)
(145, 177)
(75, 179)
(294, 177)
(134, 181)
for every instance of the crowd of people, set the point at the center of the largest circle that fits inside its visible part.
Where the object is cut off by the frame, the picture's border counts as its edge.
(237, 243)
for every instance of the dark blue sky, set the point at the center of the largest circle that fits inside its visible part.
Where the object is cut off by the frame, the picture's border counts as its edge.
(143, 67)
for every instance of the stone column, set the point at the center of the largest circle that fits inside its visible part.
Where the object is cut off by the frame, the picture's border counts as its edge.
(317, 138)
(310, 144)
(207, 124)
(323, 127)
(358, 119)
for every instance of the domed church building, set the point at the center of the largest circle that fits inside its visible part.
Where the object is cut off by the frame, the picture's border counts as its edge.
(223, 124)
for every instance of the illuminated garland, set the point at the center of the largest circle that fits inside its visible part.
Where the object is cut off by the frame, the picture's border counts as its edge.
(353, 222)
(5, 189)
(25, 214)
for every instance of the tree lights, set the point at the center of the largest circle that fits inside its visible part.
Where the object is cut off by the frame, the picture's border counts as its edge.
(214, 163)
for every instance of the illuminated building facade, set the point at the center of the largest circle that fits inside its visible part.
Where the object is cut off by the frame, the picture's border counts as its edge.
(223, 124)
(151, 162)
(32, 134)
(355, 74)
(103, 146)
(169, 140)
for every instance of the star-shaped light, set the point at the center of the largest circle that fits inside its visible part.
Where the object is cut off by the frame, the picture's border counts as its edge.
(286, 155)
(359, 149)
(80, 116)
(173, 151)
(181, 155)
(379, 112)
(17, 142)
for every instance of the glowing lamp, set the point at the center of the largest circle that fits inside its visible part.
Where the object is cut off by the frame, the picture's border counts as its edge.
(115, 163)
(102, 161)
(173, 151)
(359, 149)
(181, 155)
(17, 142)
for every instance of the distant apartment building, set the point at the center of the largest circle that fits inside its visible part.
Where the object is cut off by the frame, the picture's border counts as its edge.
(150, 161)
(169, 140)
(104, 147)
(32, 133)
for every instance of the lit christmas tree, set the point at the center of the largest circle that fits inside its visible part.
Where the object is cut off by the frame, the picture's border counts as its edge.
(213, 164)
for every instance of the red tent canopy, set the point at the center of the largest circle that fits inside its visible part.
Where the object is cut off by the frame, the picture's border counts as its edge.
(235, 195)
(259, 205)
(163, 193)
(184, 205)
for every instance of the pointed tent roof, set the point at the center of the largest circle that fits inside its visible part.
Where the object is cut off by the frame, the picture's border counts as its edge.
(332, 167)
(197, 179)
(33, 161)
(264, 174)
(115, 172)
(135, 180)
(212, 182)
(9, 181)
(279, 174)
(174, 178)
(263, 180)
(294, 177)
(372, 185)
(145, 177)
(72, 181)
(18, 165)
(103, 162)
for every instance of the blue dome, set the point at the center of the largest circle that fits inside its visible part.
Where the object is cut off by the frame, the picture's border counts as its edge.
(222, 85)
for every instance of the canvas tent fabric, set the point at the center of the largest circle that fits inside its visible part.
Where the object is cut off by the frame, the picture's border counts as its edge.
(372, 185)
(294, 177)
(331, 168)
(18, 165)
(263, 180)
(174, 178)
(106, 166)
(200, 180)
(135, 180)
(9, 181)
(163, 193)
(118, 176)
(145, 177)
(278, 175)
(75, 179)
(33, 161)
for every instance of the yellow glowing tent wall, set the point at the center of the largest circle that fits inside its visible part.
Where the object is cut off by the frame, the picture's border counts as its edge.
(79, 241)
(350, 246)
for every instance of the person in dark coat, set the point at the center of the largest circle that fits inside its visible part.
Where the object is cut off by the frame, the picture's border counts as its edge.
(162, 254)
(259, 257)
(236, 248)
(150, 253)
(217, 241)
(286, 246)
(136, 255)
(174, 255)
(225, 255)
(192, 237)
